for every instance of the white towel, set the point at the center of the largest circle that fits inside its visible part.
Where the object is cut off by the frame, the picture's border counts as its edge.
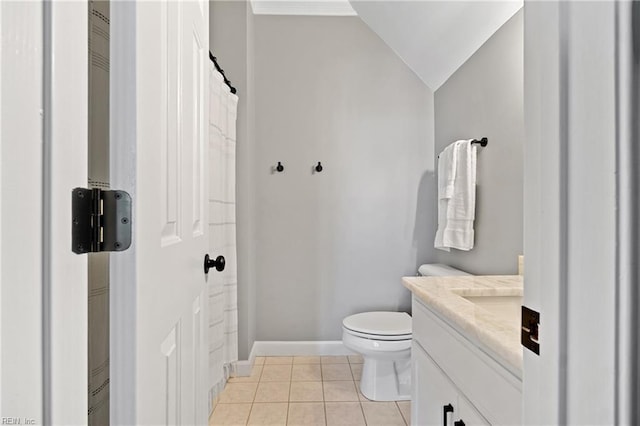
(447, 164)
(456, 210)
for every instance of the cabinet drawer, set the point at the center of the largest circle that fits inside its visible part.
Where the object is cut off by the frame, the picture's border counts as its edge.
(494, 390)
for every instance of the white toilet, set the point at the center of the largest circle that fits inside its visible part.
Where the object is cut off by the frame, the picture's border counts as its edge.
(384, 341)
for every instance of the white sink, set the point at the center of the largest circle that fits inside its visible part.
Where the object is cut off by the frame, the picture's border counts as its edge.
(507, 308)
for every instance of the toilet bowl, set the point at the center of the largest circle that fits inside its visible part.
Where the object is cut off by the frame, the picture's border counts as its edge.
(384, 341)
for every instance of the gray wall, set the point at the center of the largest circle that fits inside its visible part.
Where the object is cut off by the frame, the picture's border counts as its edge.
(331, 244)
(230, 40)
(484, 97)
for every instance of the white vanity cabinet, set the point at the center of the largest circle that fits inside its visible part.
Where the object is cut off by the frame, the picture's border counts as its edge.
(441, 403)
(450, 370)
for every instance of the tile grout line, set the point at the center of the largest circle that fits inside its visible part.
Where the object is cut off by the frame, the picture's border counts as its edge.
(406, 421)
(253, 400)
(401, 415)
(289, 398)
(250, 410)
(362, 410)
(359, 400)
(256, 394)
(286, 421)
(357, 385)
(324, 401)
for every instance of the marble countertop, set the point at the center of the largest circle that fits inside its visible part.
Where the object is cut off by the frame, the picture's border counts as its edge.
(446, 296)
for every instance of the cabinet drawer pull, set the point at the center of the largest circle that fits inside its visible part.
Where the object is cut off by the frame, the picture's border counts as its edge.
(458, 423)
(446, 409)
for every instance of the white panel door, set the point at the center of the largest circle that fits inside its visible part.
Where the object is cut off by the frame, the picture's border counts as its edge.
(161, 163)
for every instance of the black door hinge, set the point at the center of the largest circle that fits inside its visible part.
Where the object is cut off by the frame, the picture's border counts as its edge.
(529, 330)
(101, 220)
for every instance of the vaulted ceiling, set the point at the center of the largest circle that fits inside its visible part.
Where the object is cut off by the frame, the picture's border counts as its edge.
(434, 38)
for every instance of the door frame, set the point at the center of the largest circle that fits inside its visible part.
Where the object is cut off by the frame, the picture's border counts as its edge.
(581, 212)
(65, 279)
(628, 214)
(122, 146)
(21, 229)
(65, 273)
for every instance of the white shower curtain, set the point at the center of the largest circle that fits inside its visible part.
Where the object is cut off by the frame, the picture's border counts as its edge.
(223, 308)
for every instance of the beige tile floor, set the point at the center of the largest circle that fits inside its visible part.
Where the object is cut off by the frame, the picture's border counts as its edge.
(304, 390)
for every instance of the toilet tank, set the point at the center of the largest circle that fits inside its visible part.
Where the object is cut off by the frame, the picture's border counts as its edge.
(439, 270)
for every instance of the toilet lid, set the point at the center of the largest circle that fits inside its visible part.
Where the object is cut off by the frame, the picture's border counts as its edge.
(379, 323)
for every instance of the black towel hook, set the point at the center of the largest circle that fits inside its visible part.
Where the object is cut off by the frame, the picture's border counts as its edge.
(279, 167)
(319, 167)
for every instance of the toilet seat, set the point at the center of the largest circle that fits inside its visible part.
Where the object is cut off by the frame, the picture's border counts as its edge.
(379, 325)
(377, 336)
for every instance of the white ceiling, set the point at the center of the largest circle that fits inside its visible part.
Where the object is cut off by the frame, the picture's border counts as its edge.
(434, 38)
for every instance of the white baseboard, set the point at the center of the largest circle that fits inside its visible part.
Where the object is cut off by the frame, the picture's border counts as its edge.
(242, 368)
(300, 348)
(214, 393)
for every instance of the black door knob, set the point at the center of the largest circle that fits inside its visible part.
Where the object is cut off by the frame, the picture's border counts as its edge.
(217, 263)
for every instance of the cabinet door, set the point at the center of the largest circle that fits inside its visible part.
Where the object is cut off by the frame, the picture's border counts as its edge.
(468, 413)
(431, 391)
